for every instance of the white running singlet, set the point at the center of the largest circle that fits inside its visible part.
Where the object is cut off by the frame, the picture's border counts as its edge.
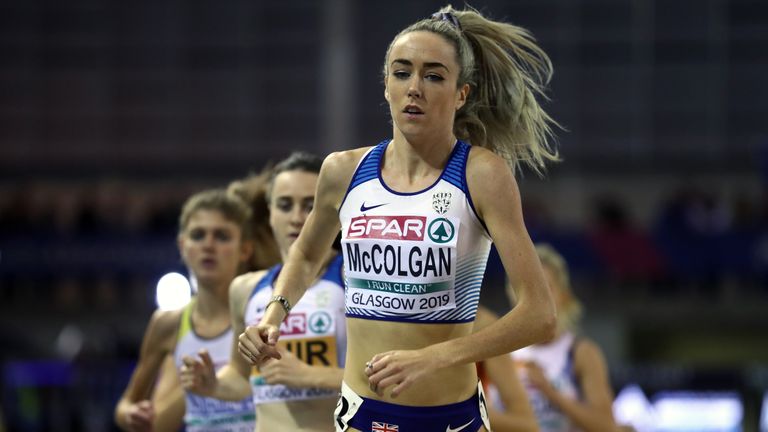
(205, 414)
(556, 360)
(412, 257)
(314, 331)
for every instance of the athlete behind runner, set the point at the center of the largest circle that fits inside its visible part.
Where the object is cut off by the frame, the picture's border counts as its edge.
(214, 244)
(508, 406)
(567, 378)
(298, 391)
(417, 214)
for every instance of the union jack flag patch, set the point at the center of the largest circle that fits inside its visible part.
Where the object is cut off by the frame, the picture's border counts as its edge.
(384, 427)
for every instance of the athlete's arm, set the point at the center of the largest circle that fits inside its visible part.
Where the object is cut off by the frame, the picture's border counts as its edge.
(168, 398)
(134, 410)
(517, 415)
(293, 372)
(306, 256)
(497, 200)
(593, 412)
(231, 382)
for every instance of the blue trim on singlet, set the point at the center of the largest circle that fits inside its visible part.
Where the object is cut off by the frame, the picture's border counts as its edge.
(363, 172)
(570, 363)
(455, 173)
(442, 174)
(266, 280)
(466, 300)
(332, 273)
(367, 169)
(463, 157)
(454, 170)
(335, 271)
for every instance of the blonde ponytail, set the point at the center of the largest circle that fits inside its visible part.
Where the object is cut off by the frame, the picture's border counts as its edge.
(507, 71)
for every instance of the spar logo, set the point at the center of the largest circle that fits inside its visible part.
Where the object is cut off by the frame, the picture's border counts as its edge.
(320, 322)
(388, 227)
(294, 324)
(441, 230)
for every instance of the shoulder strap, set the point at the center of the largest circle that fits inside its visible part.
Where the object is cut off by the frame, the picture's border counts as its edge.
(455, 172)
(369, 165)
(334, 271)
(267, 279)
(185, 324)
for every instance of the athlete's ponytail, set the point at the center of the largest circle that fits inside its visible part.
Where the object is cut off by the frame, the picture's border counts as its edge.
(256, 190)
(253, 190)
(506, 71)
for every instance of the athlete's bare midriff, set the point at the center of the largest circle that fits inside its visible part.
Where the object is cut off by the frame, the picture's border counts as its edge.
(301, 416)
(367, 338)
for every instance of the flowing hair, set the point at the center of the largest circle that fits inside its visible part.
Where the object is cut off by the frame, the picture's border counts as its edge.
(253, 190)
(256, 190)
(506, 71)
(570, 310)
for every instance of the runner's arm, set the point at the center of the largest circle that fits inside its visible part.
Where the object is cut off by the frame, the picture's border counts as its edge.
(594, 412)
(231, 382)
(533, 318)
(168, 398)
(133, 410)
(311, 248)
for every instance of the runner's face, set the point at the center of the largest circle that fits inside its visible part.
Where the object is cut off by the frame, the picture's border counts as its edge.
(212, 247)
(421, 84)
(293, 195)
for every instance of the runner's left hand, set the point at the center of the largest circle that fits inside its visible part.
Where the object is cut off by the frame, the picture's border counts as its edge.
(537, 377)
(399, 369)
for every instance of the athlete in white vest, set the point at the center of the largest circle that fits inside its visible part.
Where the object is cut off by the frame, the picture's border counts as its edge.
(213, 241)
(205, 414)
(417, 214)
(567, 378)
(314, 334)
(508, 406)
(297, 390)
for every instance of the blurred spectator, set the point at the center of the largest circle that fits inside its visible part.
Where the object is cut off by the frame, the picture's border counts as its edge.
(691, 234)
(626, 251)
(538, 217)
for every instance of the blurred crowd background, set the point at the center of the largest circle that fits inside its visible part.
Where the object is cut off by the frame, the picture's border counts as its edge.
(112, 113)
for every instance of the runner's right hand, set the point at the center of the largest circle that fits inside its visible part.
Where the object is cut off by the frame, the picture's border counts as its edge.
(198, 375)
(257, 344)
(140, 416)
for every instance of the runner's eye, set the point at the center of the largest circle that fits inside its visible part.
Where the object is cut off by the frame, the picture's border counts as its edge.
(284, 205)
(197, 234)
(308, 205)
(401, 75)
(223, 235)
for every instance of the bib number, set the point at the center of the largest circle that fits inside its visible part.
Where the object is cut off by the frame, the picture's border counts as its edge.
(346, 408)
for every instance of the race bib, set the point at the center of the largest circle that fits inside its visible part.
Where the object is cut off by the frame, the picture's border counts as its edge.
(483, 406)
(310, 336)
(401, 264)
(346, 408)
(213, 415)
